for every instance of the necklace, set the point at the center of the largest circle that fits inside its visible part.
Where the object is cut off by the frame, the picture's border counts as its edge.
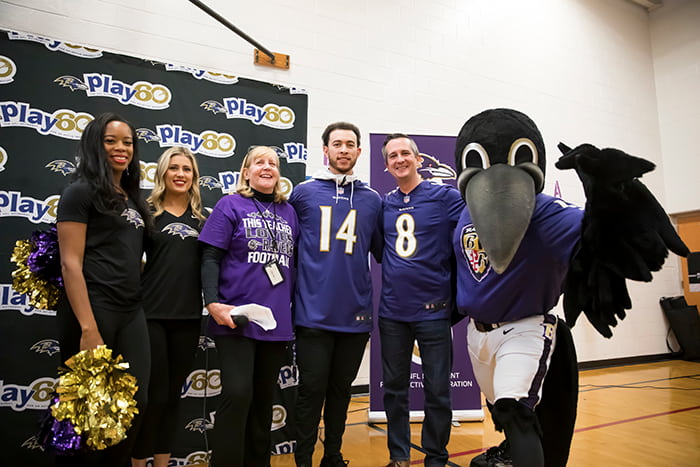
(265, 208)
(268, 214)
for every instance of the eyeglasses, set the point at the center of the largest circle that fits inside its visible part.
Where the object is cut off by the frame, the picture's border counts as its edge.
(278, 150)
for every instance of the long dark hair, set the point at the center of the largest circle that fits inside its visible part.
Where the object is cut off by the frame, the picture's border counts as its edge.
(94, 168)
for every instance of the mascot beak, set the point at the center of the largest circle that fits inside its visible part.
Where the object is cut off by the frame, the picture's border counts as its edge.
(501, 200)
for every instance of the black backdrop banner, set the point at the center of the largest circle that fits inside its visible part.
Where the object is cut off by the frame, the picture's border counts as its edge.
(49, 91)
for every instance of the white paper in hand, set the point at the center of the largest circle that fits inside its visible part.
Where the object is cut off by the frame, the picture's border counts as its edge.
(258, 314)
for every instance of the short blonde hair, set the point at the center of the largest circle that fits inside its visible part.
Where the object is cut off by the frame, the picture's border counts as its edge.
(243, 187)
(158, 193)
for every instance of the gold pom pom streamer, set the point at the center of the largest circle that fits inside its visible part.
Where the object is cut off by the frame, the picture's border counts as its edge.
(40, 293)
(97, 396)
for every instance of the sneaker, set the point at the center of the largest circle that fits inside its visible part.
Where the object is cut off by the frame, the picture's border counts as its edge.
(334, 460)
(497, 456)
(394, 463)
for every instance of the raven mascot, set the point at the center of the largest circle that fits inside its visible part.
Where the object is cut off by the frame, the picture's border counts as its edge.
(519, 249)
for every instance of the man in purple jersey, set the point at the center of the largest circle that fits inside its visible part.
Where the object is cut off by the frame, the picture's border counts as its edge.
(416, 300)
(339, 224)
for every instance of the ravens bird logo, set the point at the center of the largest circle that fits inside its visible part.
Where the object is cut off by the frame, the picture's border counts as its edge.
(181, 230)
(61, 166)
(49, 346)
(209, 182)
(205, 343)
(133, 217)
(433, 168)
(70, 82)
(147, 135)
(200, 425)
(213, 106)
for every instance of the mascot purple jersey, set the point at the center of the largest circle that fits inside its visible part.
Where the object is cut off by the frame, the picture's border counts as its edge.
(518, 250)
(533, 282)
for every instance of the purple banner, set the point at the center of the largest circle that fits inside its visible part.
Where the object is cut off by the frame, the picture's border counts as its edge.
(438, 166)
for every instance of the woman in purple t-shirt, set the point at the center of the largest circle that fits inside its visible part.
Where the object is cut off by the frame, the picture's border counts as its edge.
(248, 258)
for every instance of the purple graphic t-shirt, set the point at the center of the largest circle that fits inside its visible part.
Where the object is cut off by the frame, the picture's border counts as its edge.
(253, 233)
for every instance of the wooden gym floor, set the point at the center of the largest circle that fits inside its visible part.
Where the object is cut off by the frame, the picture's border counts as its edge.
(635, 415)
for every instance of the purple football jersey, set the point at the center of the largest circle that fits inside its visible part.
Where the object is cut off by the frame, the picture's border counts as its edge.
(417, 260)
(533, 281)
(339, 226)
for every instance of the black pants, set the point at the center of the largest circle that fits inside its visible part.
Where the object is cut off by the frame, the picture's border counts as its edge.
(328, 363)
(127, 335)
(249, 371)
(173, 347)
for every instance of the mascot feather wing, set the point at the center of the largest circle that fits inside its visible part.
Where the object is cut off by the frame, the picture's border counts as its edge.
(625, 235)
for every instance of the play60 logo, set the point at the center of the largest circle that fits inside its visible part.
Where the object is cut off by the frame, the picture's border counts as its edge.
(201, 383)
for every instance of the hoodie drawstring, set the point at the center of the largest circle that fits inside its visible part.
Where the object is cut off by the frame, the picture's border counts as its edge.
(340, 180)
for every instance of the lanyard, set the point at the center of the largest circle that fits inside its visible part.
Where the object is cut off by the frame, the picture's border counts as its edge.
(272, 232)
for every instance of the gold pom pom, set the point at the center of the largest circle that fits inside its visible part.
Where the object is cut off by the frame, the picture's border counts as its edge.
(40, 293)
(97, 396)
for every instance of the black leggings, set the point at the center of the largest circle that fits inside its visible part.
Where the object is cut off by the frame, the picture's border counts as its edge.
(249, 371)
(173, 347)
(126, 334)
(328, 363)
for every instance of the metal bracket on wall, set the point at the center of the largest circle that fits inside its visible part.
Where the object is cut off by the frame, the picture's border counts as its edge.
(262, 56)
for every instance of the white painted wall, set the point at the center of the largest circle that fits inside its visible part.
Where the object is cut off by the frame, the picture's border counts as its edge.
(584, 70)
(675, 40)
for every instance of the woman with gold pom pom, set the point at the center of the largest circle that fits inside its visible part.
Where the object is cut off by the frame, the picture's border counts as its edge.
(101, 225)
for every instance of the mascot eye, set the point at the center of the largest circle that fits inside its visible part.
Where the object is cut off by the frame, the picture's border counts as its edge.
(474, 155)
(522, 150)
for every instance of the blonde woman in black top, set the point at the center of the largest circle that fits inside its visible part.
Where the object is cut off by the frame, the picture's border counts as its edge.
(172, 298)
